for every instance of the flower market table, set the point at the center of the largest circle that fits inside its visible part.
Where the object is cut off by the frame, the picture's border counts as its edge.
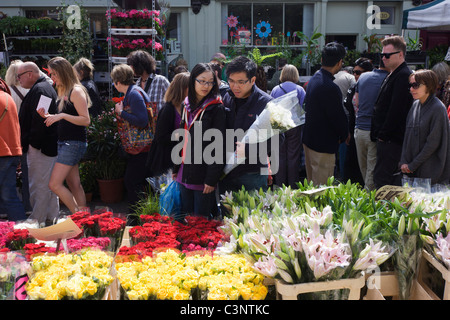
(333, 242)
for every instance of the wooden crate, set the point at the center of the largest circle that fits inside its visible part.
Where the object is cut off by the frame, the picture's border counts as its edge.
(291, 291)
(431, 264)
(384, 286)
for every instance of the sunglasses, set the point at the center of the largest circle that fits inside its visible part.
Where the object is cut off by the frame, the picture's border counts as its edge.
(389, 54)
(358, 72)
(415, 85)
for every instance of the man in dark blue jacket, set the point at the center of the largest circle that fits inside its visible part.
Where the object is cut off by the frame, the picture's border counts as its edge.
(244, 102)
(326, 124)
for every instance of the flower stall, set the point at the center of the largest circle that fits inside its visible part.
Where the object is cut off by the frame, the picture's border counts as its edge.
(334, 242)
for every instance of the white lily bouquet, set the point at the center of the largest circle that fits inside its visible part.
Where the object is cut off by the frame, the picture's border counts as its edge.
(280, 115)
(290, 236)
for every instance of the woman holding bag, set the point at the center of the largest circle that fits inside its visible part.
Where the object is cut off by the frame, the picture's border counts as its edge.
(203, 110)
(132, 110)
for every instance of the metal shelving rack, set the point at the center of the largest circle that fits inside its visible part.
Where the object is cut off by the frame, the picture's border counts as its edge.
(132, 32)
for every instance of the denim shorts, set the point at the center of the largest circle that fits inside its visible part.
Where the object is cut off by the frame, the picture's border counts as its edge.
(70, 152)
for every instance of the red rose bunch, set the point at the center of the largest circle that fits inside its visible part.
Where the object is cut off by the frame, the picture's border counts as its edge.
(18, 238)
(33, 249)
(196, 234)
(200, 232)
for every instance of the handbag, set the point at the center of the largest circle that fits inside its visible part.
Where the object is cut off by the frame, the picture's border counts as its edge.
(136, 140)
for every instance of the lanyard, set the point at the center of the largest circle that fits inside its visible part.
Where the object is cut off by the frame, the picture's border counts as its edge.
(188, 128)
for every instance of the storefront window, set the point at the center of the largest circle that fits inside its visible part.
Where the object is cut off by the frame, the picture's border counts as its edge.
(262, 24)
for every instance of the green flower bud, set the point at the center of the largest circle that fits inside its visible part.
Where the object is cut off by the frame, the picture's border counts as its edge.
(401, 225)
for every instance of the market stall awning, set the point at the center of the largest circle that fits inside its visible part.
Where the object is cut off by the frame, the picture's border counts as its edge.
(433, 16)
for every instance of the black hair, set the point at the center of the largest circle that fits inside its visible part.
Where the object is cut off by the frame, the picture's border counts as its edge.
(364, 63)
(332, 53)
(195, 72)
(217, 68)
(242, 64)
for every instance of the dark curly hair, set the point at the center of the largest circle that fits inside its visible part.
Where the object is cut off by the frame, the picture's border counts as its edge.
(141, 61)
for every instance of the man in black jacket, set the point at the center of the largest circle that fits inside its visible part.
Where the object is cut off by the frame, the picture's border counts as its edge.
(244, 102)
(326, 125)
(38, 141)
(390, 112)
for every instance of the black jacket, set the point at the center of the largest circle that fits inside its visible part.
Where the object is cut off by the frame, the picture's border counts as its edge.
(392, 107)
(33, 130)
(159, 158)
(97, 104)
(242, 117)
(326, 124)
(203, 173)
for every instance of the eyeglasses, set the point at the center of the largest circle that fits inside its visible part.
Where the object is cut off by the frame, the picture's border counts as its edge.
(21, 74)
(237, 83)
(388, 54)
(415, 85)
(205, 83)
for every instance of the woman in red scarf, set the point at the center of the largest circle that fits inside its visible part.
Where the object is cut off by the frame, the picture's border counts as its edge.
(202, 158)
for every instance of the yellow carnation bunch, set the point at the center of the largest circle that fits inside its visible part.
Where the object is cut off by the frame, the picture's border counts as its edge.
(83, 275)
(171, 276)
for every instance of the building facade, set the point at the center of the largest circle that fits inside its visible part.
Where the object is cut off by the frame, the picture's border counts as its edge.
(200, 28)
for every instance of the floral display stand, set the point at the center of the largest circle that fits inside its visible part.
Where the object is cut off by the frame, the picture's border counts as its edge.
(291, 291)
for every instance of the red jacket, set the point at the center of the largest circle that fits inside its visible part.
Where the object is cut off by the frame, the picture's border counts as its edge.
(9, 127)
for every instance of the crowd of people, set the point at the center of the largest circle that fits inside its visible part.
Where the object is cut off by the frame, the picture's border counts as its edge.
(370, 124)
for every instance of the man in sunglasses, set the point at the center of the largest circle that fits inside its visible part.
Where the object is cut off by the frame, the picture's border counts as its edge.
(390, 112)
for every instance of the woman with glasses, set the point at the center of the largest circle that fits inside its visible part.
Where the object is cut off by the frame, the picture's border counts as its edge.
(72, 119)
(426, 145)
(201, 165)
(133, 110)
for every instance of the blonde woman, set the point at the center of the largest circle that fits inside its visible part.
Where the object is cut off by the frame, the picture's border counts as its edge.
(291, 149)
(18, 93)
(73, 118)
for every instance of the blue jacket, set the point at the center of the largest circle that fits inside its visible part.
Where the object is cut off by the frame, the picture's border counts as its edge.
(242, 117)
(326, 124)
(137, 114)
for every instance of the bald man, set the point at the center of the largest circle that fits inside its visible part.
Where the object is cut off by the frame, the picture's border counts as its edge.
(38, 141)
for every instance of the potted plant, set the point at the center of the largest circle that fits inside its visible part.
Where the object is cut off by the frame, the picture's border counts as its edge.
(414, 54)
(87, 177)
(104, 148)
